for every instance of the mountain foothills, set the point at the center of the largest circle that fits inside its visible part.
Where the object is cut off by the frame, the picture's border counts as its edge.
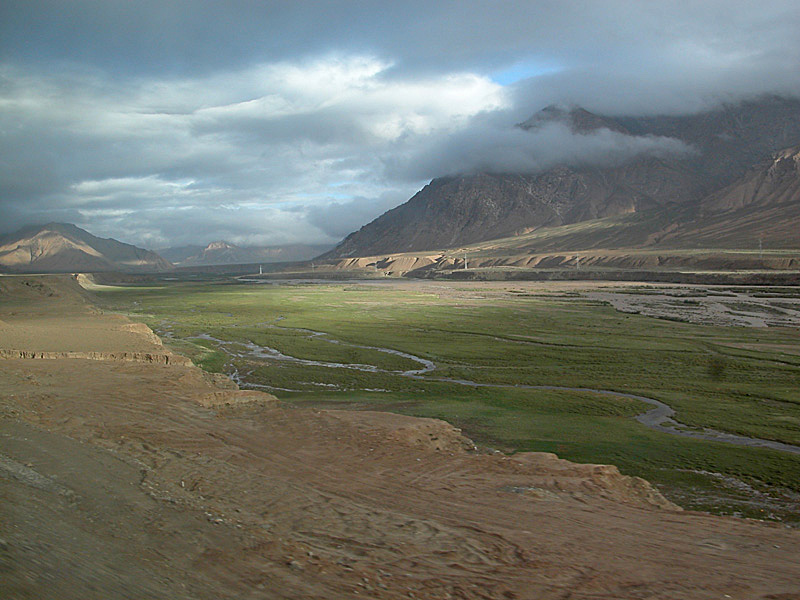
(737, 172)
(61, 247)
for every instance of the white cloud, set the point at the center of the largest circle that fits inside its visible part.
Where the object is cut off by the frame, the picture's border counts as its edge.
(301, 132)
(489, 148)
(150, 185)
(351, 97)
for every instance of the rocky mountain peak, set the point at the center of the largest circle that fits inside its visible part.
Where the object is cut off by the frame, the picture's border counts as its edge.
(786, 162)
(579, 120)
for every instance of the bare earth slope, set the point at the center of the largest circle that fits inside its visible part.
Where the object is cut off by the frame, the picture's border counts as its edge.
(762, 205)
(129, 479)
(460, 210)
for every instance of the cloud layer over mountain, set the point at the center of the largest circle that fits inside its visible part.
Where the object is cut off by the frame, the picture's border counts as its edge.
(166, 123)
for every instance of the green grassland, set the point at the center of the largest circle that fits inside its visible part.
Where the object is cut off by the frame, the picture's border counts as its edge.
(727, 378)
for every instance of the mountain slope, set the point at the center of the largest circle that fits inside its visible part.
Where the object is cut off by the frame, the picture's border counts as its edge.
(751, 225)
(763, 206)
(455, 211)
(760, 209)
(62, 247)
(773, 182)
(221, 253)
(460, 210)
(178, 254)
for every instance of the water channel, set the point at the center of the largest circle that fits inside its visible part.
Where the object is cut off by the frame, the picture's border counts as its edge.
(658, 418)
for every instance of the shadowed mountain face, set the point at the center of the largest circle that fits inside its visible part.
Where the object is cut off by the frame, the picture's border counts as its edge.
(225, 253)
(773, 182)
(63, 248)
(465, 209)
(762, 208)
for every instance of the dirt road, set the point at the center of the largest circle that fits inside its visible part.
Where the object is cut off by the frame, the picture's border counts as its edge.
(134, 479)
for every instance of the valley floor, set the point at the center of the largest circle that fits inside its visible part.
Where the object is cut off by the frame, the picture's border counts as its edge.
(138, 475)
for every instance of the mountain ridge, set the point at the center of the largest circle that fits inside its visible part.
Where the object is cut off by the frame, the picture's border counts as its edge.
(463, 209)
(221, 252)
(64, 247)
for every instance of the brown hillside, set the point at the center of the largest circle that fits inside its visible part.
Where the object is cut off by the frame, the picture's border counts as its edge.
(762, 209)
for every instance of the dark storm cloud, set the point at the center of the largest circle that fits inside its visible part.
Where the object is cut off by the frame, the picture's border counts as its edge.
(174, 122)
(201, 36)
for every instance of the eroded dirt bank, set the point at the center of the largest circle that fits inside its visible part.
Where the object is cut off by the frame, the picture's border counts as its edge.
(125, 479)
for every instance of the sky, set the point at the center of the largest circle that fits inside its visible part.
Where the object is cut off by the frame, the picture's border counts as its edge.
(164, 123)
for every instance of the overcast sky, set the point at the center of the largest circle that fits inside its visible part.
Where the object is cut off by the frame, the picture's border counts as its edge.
(164, 123)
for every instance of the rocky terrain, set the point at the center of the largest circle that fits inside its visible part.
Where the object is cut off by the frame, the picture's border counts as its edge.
(775, 181)
(667, 189)
(130, 479)
(750, 225)
(64, 248)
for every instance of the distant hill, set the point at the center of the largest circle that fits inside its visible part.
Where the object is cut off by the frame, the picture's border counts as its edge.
(225, 253)
(63, 248)
(466, 209)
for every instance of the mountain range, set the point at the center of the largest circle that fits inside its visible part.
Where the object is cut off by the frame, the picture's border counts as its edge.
(65, 248)
(734, 186)
(676, 198)
(225, 253)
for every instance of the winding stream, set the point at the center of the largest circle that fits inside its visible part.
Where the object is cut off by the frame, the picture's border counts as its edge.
(658, 418)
